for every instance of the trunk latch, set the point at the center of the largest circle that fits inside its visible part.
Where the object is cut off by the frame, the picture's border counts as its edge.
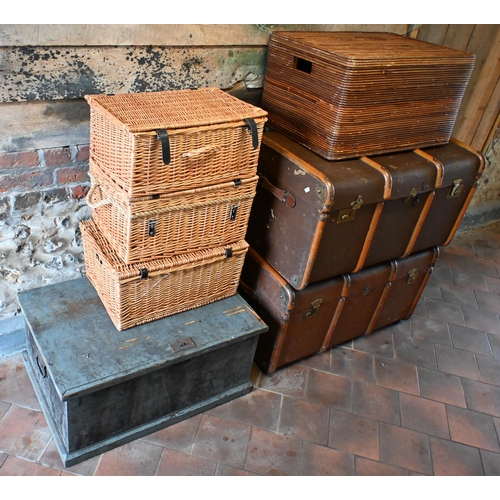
(412, 276)
(456, 189)
(312, 311)
(349, 213)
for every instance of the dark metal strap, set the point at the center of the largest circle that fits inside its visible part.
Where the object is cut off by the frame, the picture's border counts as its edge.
(165, 145)
(229, 252)
(143, 273)
(253, 129)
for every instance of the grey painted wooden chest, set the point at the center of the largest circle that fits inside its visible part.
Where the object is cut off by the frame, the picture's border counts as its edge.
(100, 388)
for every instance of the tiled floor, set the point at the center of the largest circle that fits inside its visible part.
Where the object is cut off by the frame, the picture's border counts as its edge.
(421, 397)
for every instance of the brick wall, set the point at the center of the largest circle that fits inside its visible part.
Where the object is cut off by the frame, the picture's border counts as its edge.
(42, 201)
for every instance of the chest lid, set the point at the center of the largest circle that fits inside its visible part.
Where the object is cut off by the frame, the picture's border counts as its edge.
(71, 328)
(173, 109)
(326, 185)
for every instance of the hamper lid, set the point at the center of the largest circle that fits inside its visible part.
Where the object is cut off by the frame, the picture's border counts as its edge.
(173, 109)
(373, 48)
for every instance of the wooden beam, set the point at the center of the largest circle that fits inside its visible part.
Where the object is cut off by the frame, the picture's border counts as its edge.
(174, 35)
(489, 122)
(458, 36)
(483, 90)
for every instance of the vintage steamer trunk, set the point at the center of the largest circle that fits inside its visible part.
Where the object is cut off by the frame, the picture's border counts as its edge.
(100, 388)
(152, 227)
(330, 312)
(160, 142)
(313, 219)
(345, 94)
(134, 294)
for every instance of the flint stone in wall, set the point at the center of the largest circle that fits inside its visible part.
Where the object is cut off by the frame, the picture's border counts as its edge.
(40, 243)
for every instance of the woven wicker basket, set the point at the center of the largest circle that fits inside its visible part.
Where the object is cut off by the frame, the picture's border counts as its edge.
(140, 293)
(160, 142)
(146, 228)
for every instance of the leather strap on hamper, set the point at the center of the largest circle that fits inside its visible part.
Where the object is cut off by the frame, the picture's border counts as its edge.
(253, 129)
(285, 196)
(165, 145)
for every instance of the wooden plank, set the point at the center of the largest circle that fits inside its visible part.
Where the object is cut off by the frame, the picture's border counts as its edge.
(433, 33)
(174, 35)
(34, 125)
(489, 121)
(41, 73)
(481, 94)
(458, 36)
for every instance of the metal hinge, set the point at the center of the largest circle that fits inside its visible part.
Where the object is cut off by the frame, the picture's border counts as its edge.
(349, 213)
(456, 189)
(182, 345)
(312, 311)
(152, 227)
(234, 211)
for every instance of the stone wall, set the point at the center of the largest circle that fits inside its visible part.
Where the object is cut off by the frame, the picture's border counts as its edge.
(42, 201)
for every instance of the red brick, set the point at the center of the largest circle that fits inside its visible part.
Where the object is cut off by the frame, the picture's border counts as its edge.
(57, 156)
(83, 153)
(26, 159)
(26, 181)
(71, 174)
(79, 191)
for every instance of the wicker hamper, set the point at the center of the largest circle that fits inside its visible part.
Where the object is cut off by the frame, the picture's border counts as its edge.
(134, 294)
(349, 94)
(159, 142)
(151, 227)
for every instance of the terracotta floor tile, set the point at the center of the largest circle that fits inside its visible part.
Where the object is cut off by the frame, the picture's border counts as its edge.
(491, 463)
(179, 436)
(355, 365)
(431, 330)
(405, 448)
(380, 342)
(471, 340)
(489, 369)
(421, 309)
(24, 433)
(395, 375)
(290, 381)
(481, 320)
(487, 253)
(443, 311)
(260, 408)
(456, 362)
(471, 280)
(442, 273)
(226, 470)
(378, 403)
(442, 387)
(472, 428)
(454, 459)
(15, 466)
(320, 361)
(432, 290)
(450, 259)
(176, 463)
(132, 459)
(459, 295)
(220, 410)
(329, 390)
(51, 458)
(222, 440)
(7, 363)
(353, 433)
(492, 285)
(3, 408)
(488, 302)
(495, 344)
(303, 420)
(3, 457)
(480, 266)
(484, 398)
(321, 461)
(272, 454)
(415, 351)
(366, 467)
(424, 415)
(16, 388)
(461, 247)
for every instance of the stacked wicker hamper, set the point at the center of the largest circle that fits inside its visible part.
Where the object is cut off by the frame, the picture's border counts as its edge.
(360, 183)
(173, 180)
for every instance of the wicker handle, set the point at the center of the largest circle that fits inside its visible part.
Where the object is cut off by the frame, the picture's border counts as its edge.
(200, 151)
(90, 194)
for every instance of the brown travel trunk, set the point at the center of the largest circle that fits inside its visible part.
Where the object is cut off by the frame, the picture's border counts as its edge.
(313, 219)
(328, 313)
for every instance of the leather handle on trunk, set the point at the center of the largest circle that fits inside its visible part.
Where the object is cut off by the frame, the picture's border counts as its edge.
(284, 196)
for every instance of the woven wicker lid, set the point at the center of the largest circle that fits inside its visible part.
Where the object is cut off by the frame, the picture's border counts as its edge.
(360, 48)
(173, 109)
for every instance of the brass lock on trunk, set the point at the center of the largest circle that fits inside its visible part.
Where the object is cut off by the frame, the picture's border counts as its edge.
(312, 311)
(349, 213)
(456, 189)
